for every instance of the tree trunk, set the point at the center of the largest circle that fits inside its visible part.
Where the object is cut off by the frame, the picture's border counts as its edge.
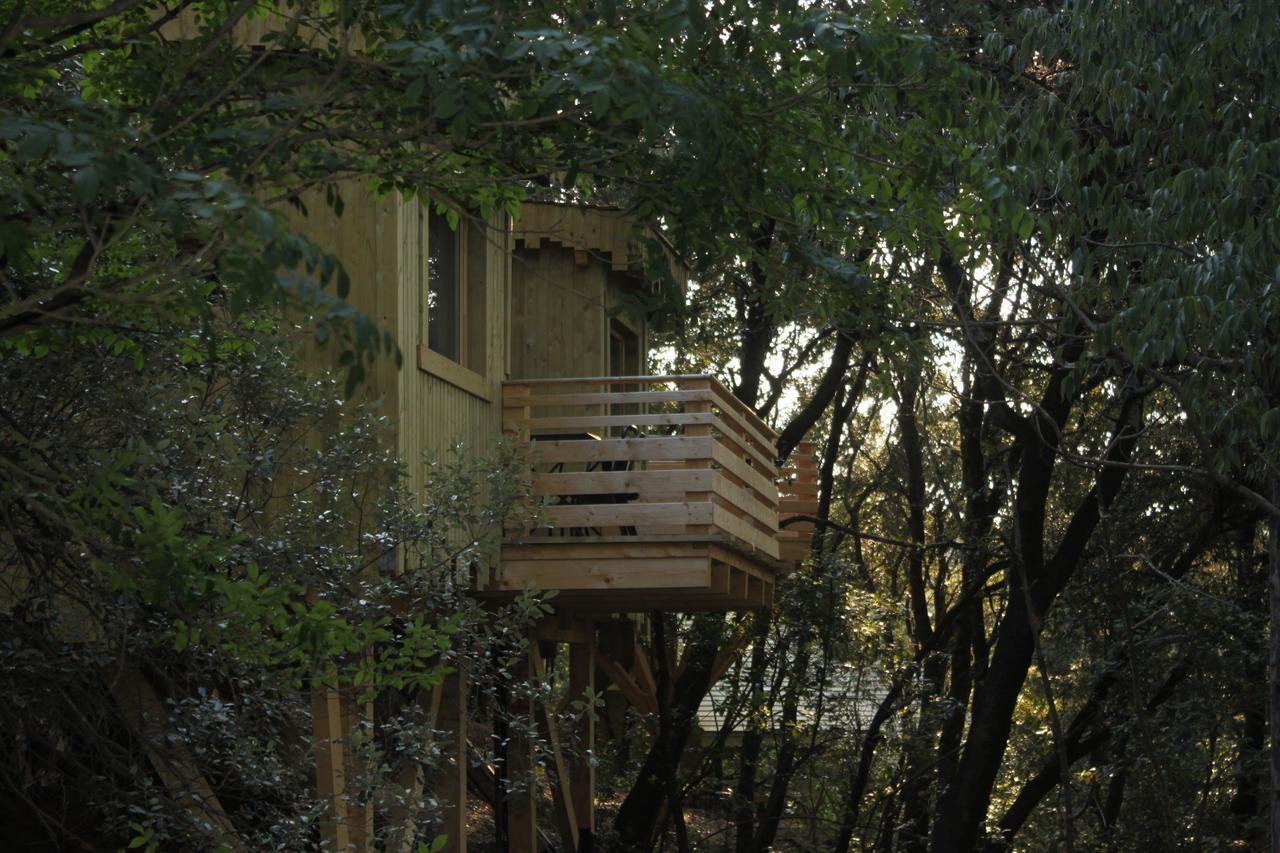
(637, 820)
(1273, 565)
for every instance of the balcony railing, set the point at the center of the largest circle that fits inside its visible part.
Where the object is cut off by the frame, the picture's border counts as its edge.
(649, 456)
(650, 491)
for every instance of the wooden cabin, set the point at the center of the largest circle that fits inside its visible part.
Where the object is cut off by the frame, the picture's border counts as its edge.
(648, 492)
(652, 491)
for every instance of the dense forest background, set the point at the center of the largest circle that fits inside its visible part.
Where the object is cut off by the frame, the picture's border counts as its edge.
(1013, 265)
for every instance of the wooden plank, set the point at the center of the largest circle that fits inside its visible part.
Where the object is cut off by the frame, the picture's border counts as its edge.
(645, 702)
(761, 459)
(653, 379)
(765, 512)
(451, 717)
(590, 548)
(731, 524)
(758, 480)
(719, 579)
(588, 422)
(582, 683)
(622, 515)
(331, 770)
(622, 449)
(764, 432)
(600, 398)
(171, 758)
(561, 781)
(522, 815)
(747, 436)
(762, 532)
(728, 653)
(620, 482)
(752, 565)
(644, 672)
(691, 573)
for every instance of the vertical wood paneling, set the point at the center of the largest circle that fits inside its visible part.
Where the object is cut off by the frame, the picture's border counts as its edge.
(558, 315)
(435, 415)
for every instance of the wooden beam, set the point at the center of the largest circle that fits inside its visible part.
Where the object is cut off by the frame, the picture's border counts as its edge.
(451, 719)
(145, 714)
(603, 398)
(561, 779)
(328, 737)
(636, 695)
(632, 573)
(582, 773)
(674, 447)
(521, 796)
(699, 511)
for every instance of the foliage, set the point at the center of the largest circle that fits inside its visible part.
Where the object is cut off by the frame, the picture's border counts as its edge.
(222, 528)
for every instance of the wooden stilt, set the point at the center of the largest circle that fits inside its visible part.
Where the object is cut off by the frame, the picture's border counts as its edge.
(451, 721)
(561, 779)
(329, 736)
(582, 774)
(521, 804)
(359, 809)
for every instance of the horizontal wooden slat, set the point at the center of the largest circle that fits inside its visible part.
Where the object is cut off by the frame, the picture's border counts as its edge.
(761, 442)
(731, 524)
(764, 512)
(627, 573)
(622, 482)
(665, 379)
(596, 547)
(760, 458)
(623, 449)
(623, 515)
(745, 413)
(585, 422)
(752, 476)
(606, 398)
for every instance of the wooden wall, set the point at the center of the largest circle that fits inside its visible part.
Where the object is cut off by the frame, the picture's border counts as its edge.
(383, 245)
(558, 325)
(364, 238)
(434, 413)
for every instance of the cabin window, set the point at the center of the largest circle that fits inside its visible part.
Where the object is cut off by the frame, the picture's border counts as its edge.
(455, 302)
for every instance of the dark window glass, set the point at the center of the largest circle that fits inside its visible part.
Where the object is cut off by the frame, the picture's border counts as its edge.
(444, 298)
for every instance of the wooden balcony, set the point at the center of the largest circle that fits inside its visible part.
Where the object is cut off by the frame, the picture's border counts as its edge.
(650, 492)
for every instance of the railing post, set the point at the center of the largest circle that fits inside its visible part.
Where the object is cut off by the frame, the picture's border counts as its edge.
(697, 430)
(514, 416)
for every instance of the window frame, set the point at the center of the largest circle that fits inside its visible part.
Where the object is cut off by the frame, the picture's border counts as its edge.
(459, 372)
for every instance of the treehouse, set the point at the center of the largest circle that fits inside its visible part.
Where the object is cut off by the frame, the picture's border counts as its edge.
(647, 492)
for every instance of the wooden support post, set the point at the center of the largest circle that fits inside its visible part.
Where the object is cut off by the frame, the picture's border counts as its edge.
(451, 720)
(359, 809)
(521, 793)
(331, 765)
(146, 716)
(561, 780)
(512, 416)
(582, 774)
